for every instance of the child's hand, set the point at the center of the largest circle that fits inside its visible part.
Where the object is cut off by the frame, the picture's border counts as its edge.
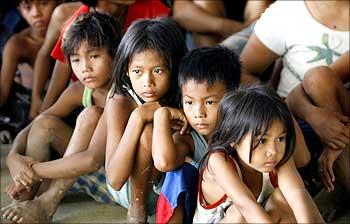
(325, 167)
(331, 127)
(21, 170)
(179, 121)
(146, 111)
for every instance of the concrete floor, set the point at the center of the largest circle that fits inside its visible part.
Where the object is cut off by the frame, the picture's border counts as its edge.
(82, 209)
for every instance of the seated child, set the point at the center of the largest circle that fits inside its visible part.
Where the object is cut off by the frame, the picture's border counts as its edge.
(145, 76)
(90, 53)
(205, 75)
(248, 174)
(19, 54)
(124, 11)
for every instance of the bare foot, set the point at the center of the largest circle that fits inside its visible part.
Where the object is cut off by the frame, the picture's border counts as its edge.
(19, 193)
(26, 212)
(136, 214)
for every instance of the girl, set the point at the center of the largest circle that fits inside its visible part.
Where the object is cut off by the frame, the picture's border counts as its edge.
(145, 76)
(247, 174)
(90, 53)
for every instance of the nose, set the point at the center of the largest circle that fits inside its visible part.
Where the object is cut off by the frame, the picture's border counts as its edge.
(271, 151)
(35, 10)
(85, 66)
(199, 112)
(148, 79)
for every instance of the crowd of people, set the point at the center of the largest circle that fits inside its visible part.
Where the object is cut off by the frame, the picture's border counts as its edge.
(193, 110)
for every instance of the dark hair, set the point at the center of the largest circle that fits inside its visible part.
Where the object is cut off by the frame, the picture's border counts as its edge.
(98, 29)
(162, 35)
(90, 3)
(250, 109)
(211, 65)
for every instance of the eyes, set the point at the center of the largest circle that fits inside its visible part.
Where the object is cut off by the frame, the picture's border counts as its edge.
(27, 6)
(263, 140)
(91, 57)
(207, 102)
(156, 71)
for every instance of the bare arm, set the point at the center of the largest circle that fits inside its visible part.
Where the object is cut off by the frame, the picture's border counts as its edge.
(169, 153)
(254, 9)
(293, 189)
(228, 179)
(43, 62)
(194, 18)
(11, 56)
(122, 139)
(255, 57)
(59, 81)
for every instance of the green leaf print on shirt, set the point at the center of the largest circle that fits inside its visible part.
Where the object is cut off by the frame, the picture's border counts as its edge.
(323, 53)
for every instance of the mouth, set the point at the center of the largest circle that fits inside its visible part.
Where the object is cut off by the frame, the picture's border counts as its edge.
(149, 94)
(201, 125)
(89, 79)
(270, 163)
(39, 23)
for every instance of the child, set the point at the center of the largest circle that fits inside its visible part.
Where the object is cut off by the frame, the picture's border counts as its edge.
(248, 164)
(205, 75)
(90, 52)
(145, 76)
(125, 11)
(20, 53)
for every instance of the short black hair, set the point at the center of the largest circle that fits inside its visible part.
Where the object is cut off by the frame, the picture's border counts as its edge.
(98, 29)
(162, 35)
(250, 110)
(211, 65)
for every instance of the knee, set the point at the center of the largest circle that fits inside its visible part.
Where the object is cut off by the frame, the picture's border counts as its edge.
(89, 117)
(146, 138)
(44, 124)
(319, 78)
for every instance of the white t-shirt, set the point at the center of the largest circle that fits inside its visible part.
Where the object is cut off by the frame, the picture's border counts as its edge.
(287, 28)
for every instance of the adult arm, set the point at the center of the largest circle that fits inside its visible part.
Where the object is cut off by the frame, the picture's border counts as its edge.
(59, 81)
(227, 178)
(255, 57)
(11, 56)
(169, 153)
(294, 191)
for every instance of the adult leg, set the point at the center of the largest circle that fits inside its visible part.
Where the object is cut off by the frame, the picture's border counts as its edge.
(327, 91)
(42, 208)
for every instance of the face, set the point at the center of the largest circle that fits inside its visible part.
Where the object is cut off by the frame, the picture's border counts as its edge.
(149, 75)
(92, 66)
(269, 151)
(201, 103)
(37, 12)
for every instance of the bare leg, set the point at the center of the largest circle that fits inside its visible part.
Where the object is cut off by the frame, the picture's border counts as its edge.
(233, 215)
(42, 208)
(142, 177)
(47, 132)
(278, 208)
(327, 91)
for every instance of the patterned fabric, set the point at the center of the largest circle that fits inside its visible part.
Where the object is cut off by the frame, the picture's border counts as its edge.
(94, 185)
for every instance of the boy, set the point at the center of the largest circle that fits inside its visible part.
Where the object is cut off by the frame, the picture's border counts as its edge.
(19, 54)
(90, 53)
